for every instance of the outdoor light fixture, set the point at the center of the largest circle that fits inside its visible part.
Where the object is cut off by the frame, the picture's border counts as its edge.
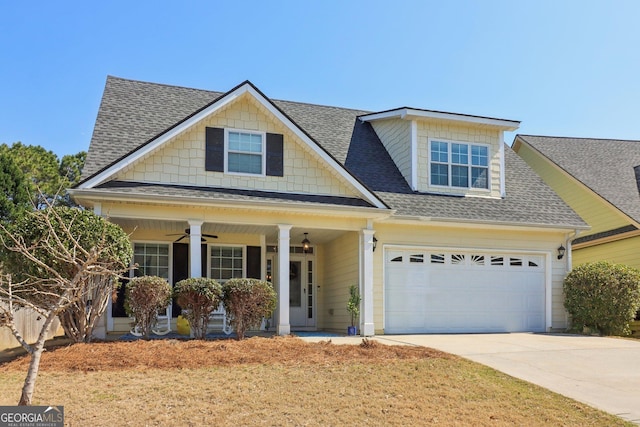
(375, 243)
(305, 244)
(561, 251)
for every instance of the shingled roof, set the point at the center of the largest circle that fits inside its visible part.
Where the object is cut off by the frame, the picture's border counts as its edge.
(132, 113)
(609, 167)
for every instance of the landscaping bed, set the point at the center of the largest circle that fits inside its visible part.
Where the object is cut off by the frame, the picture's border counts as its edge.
(284, 381)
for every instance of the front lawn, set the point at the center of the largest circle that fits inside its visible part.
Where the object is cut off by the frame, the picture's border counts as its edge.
(284, 381)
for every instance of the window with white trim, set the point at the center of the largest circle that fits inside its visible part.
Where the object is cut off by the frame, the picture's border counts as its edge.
(459, 165)
(245, 152)
(227, 262)
(152, 259)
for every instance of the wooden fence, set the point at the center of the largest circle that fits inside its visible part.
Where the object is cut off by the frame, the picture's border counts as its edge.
(29, 324)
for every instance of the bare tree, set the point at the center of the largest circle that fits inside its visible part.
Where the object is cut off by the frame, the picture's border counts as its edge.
(56, 271)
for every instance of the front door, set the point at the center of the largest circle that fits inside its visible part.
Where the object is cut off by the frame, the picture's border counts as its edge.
(301, 293)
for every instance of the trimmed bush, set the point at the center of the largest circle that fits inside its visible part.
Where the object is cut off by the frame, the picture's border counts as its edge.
(247, 301)
(602, 296)
(65, 239)
(198, 297)
(144, 297)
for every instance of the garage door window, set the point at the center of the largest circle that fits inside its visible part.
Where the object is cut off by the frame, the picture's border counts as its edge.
(437, 258)
(475, 260)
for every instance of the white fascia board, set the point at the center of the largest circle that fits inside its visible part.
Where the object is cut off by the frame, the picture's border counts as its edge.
(469, 223)
(319, 151)
(227, 99)
(343, 211)
(410, 113)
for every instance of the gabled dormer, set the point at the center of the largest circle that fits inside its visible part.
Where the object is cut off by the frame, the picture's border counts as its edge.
(445, 153)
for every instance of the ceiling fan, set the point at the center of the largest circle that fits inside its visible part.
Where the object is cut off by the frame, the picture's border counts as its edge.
(187, 234)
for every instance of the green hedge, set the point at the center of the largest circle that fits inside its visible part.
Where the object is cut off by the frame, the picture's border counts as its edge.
(144, 297)
(247, 301)
(198, 297)
(602, 296)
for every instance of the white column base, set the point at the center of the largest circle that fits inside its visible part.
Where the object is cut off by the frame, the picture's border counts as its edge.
(284, 329)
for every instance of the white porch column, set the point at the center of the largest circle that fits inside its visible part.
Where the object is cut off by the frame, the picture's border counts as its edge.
(366, 284)
(195, 248)
(105, 322)
(284, 327)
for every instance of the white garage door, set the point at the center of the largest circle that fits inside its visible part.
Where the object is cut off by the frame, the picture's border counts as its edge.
(433, 291)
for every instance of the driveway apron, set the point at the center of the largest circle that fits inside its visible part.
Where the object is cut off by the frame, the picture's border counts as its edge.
(601, 372)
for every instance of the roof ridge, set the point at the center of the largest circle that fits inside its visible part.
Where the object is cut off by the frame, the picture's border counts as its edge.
(166, 85)
(577, 137)
(109, 76)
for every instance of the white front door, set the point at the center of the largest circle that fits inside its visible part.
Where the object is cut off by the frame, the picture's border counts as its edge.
(301, 293)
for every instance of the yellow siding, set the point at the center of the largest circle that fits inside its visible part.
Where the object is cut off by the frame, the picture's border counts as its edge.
(181, 160)
(482, 239)
(340, 267)
(452, 132)
(600, 215)
(395, 135)
(626, 251)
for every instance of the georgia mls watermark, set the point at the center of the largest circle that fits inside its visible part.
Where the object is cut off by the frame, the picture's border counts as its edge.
(31, 416)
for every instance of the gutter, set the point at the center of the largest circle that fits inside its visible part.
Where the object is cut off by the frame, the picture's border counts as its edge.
(354, 211)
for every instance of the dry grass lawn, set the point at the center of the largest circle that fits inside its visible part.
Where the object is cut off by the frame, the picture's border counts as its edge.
(284, 381)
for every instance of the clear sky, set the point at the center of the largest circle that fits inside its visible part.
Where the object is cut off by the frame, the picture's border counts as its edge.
(562, 67)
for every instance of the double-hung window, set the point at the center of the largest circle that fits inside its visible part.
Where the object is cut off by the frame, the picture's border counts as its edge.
(245, 152)
(459, 165)
(152, 259)
(227, 262)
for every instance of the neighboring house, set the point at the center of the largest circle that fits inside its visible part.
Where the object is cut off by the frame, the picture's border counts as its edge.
(599, 179)
(439, 223)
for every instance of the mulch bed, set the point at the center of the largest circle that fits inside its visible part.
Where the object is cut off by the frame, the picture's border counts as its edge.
(191, 354)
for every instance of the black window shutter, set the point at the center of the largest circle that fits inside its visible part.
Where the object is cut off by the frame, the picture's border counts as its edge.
(254, 266)
(214, 151)
(275, 155)
(203, 260)
(180, 270)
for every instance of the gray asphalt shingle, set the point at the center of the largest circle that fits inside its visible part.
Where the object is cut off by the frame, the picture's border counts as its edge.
(132, 113)
(606, 166)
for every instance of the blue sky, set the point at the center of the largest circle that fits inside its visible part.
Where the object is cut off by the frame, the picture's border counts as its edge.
(563, 68)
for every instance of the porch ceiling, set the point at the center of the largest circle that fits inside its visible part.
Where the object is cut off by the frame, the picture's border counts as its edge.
(316, 235)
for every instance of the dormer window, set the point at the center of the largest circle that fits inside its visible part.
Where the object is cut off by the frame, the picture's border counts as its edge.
(459, 164)
(245, 152)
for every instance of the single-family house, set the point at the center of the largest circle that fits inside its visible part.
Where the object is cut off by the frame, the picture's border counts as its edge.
(599, 179)
(441, 226)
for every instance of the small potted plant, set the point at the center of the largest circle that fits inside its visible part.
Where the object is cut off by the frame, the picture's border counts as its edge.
(353, 307)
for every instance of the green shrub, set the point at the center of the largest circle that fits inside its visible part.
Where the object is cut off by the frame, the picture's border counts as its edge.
(65, 239)
(198, 297)
(247, 301)
(144, 297)
(602, 296)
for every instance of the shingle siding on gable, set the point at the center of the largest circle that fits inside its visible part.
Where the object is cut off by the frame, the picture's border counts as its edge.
(182, 160)
(395, 135)
(132, 113)
(449, 132)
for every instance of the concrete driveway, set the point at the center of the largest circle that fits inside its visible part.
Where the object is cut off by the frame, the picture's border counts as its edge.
(601, 372)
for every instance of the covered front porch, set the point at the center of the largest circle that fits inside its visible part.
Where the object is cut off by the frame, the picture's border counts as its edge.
(325, 255)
